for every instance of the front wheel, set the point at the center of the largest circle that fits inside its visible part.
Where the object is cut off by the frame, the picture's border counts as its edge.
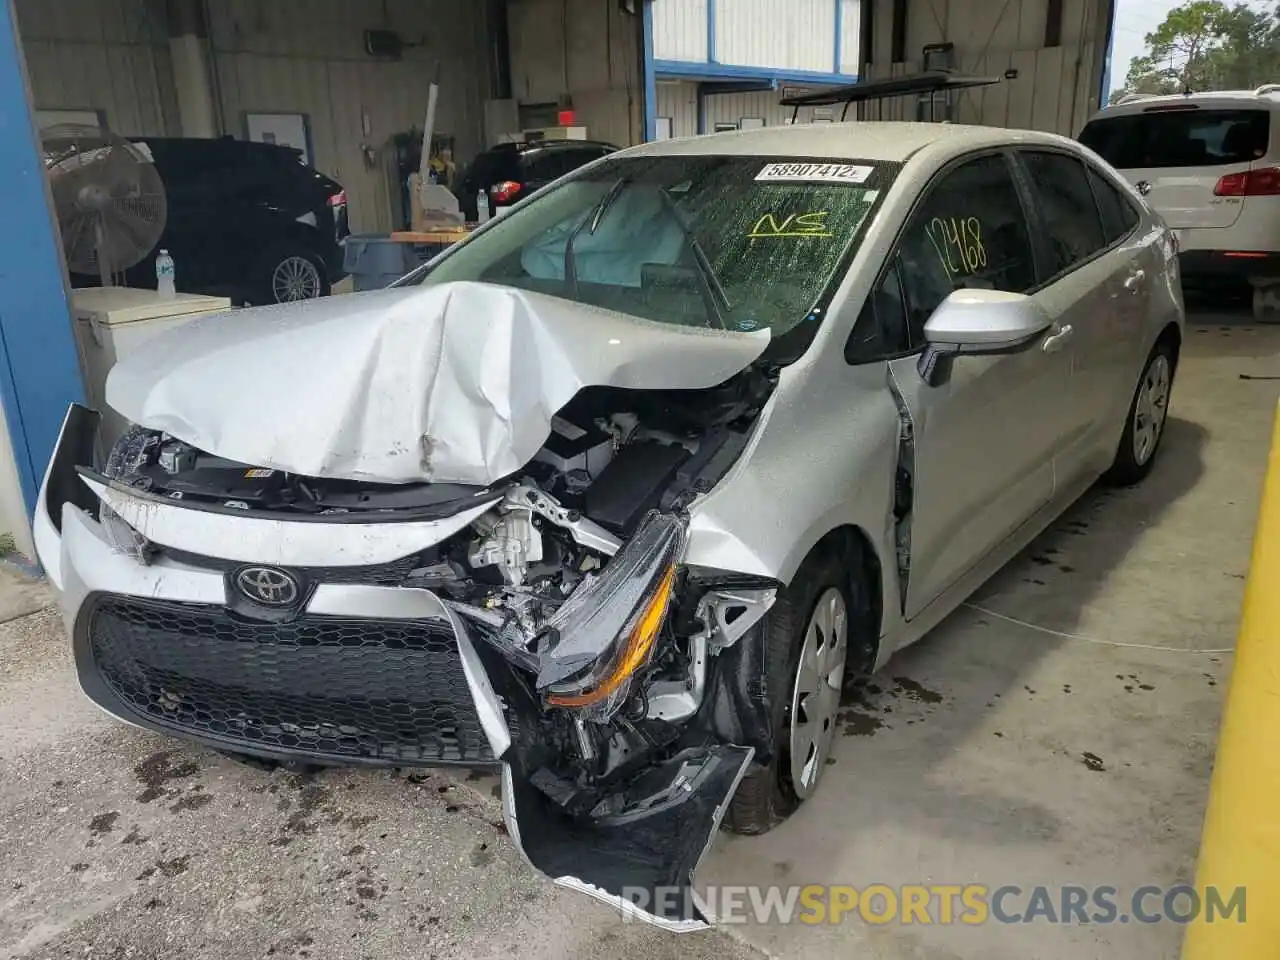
(806, 650)
(1148, 412)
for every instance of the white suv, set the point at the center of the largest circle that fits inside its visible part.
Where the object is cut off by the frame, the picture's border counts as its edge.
(1209, 165)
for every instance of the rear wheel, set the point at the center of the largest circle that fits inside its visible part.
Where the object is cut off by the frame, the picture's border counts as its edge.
(1148, 412)
(806, 651)
(290, 273)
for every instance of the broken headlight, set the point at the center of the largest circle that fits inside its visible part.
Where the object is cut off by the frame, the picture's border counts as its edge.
(124, 460)
(594, 645)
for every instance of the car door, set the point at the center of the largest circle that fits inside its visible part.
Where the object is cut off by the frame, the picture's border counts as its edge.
(985, 436)
(1143, 265)
(1095, 285)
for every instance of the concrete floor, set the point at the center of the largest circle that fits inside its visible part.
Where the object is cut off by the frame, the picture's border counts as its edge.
(964, 762)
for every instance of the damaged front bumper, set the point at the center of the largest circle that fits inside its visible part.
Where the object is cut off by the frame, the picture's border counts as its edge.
(359, 672)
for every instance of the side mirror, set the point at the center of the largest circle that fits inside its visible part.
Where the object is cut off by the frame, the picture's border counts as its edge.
(976, 321)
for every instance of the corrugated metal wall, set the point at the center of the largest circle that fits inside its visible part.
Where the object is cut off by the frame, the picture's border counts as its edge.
(786, 34)
(589, 48)
(789, 34)
(307, 56)
(286, 56)
(679, 101)
(851, 36)
(105, 55)
(732, 107)
(1056, 88)
(680, 30)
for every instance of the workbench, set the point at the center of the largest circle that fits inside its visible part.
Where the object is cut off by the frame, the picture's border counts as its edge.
(438, 237)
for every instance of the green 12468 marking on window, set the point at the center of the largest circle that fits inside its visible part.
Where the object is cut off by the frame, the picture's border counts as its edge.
(796, 225)
(958, 241)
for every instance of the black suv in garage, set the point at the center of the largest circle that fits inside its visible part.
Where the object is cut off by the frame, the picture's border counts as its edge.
(250, 221)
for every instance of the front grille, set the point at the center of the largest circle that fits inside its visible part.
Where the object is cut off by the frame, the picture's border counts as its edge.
(386, 690)
(383, 574)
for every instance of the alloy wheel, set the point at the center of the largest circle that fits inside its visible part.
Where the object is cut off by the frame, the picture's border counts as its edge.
(295, 278)
(815, 698)
(1150, 411)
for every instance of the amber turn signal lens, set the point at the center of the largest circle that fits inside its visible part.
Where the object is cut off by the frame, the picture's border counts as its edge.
(635, 653)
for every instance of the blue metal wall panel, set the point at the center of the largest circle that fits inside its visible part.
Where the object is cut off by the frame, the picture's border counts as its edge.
(39, 366)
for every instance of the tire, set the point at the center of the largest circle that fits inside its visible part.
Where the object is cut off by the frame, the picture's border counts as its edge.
(769, 794)
(289, 273)
(1137, 452)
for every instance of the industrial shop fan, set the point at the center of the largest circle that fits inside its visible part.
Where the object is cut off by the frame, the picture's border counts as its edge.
(107, 196)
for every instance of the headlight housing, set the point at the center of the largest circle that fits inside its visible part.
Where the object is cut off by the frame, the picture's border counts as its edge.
(596, 643)
(123, 460)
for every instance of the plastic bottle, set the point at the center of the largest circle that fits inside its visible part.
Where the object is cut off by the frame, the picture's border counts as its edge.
(482, 206)
(166, 273)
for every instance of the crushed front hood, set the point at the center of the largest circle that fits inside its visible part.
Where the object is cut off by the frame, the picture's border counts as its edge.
(455, 383)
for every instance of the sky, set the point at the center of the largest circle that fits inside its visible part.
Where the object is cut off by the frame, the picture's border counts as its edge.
(1134, 20)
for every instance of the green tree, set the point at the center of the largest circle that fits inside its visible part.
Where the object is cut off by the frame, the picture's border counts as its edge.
(1206, 45)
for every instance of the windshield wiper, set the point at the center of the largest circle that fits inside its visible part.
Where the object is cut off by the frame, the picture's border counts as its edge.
(716, 299)
(597, 214)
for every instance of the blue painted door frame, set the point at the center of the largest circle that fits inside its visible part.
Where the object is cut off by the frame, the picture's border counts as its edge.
(39, 365)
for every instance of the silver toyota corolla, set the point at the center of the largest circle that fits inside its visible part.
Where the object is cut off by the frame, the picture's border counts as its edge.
(617, 492)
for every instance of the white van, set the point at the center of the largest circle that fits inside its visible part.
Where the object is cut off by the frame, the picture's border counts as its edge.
(1209, 164)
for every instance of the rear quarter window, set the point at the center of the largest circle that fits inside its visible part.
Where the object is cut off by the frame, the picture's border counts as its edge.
(1180, 137)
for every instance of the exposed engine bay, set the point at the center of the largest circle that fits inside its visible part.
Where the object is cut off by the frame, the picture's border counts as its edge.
(572, 575)
(448, 525)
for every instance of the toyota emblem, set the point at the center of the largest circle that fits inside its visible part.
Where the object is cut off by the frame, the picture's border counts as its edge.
(268, 586)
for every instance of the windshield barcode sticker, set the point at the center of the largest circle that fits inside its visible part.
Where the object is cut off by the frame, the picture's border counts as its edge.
(814, 173)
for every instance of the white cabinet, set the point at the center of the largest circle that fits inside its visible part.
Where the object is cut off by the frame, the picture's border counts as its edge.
(112, 321)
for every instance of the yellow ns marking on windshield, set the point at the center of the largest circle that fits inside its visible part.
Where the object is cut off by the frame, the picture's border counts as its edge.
(796, 225)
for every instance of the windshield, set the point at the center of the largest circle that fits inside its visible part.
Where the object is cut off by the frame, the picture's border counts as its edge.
(741, 243)
(1179, 137)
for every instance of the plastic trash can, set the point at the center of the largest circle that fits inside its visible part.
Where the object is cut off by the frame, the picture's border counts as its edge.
(374, 260)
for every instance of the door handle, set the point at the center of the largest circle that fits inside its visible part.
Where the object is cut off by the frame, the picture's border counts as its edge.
(1135, 278)
(1060, 337)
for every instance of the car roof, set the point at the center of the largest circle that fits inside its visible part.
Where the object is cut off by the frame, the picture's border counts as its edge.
(218, 143)
(524, 146)
(890, 141)
(1263, 97)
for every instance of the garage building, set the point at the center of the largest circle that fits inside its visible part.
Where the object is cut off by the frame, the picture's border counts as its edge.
(342, 79)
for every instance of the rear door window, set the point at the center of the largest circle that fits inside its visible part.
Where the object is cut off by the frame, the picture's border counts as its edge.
(543, 166)
(1074, 227)
(1180, 137)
